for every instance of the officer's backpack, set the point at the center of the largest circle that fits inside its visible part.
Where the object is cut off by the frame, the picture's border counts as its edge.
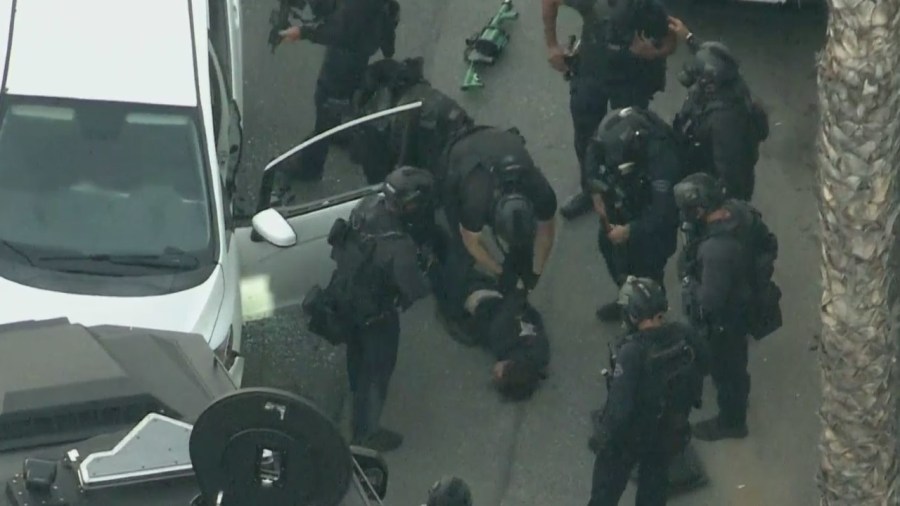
(351, 297)
(764, 306)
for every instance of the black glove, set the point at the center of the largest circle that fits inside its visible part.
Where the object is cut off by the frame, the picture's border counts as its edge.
(530, 280)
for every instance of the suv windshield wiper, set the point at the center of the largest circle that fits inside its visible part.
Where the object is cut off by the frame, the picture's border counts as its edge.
(171, 258)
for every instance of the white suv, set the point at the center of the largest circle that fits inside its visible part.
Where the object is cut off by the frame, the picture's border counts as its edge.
(120, 134)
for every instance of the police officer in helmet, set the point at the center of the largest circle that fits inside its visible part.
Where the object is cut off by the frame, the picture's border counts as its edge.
(631, 167)
(621, 62)
(352, 31)
(492, 181)
(378, 275)
(449, 491)
(656, 381)
(419, 137)
(720, 125)
(725, 241)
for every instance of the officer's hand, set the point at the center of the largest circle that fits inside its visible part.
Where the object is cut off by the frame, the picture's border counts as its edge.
(618, 234)
(643, 47)
(678, 26)
(557, 59)
(291, 34)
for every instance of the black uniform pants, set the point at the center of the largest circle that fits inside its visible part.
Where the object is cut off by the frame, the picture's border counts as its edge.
(623, 260)
(371, 358)
(612, 469)
(589, 101)
(339, 76)
(730, 376)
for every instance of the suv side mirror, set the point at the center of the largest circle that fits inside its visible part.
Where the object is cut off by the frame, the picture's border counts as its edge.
(271, 226)
(374, 470)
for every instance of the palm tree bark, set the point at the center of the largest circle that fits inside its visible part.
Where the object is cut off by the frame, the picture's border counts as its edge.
(859, 159)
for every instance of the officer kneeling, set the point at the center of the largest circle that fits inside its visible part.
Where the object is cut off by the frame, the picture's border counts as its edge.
(656, 380)
(378, 273)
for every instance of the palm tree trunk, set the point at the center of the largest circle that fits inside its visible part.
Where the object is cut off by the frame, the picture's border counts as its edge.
(859, 158)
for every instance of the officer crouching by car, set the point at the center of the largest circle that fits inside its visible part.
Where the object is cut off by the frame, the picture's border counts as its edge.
(631, 167)
(352, 31)
(418, 138)
(657, 378)
(493, 182)
(726, 268)
(720, 125)
(378, 273)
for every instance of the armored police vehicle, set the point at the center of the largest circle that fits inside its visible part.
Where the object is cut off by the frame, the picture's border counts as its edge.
(119, 416)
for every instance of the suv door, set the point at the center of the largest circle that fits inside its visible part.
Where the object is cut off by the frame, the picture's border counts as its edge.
(275, 277)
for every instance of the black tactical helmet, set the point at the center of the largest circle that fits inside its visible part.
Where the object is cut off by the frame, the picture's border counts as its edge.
(514, 223)
(642, 299)
(698, 191)
(450, 491)
(712, 64)
(622, 134)
(409, 189)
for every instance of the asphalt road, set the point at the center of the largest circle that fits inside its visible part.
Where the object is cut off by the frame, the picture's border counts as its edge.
(535, 453)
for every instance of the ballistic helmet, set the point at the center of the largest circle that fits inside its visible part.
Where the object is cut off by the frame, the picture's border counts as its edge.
(642, 299)
(698, 191)
(450, 491)
(515, 224)
(409, 189)
(622, 135)
(712, 63)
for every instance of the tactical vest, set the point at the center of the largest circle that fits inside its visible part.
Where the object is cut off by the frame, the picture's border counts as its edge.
(671, 381)
(694, 131)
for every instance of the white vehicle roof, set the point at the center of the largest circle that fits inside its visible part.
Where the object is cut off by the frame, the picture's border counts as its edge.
(115, 50)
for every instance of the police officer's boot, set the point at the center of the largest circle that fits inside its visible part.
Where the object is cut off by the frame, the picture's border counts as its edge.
(717, 428)
(382, 441)
(610, 313)
(577, 205)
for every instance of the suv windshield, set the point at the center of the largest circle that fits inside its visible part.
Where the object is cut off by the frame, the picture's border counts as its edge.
(85, 185)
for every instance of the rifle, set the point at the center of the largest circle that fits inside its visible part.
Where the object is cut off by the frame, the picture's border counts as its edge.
(608, 373)
(485, 46)
(611, 187)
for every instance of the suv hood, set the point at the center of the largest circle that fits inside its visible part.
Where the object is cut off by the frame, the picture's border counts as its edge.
(194, 310)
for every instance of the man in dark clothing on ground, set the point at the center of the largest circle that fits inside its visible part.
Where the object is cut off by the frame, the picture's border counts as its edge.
(631, 167)
(720, 125)
(716, 272)
(352, 32)
(657, 379)
(493, 181)
(506, 325)
(418, 138)
(378, 274)
(621, 63)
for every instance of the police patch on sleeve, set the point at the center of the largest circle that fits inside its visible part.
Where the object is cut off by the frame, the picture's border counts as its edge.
(661, 185)
(618, 371)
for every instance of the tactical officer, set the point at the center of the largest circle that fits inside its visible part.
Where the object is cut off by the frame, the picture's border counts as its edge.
(352, 31)
(449, 491)
(716, 274)
(621, 62)
(378, 273)
(719, 124)
(631, 167)
(416, 138)
(493, 181)
(656, 380)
